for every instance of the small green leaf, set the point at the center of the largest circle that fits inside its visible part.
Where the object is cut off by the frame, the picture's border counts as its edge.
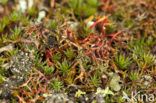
(104, 92)
(114, 84)
(79, 93)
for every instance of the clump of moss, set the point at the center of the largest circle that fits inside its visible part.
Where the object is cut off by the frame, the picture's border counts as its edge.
(84, 8)
(1, 79)
(122, 62)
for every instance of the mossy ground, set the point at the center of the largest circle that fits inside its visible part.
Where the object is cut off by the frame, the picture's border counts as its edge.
(84, 51)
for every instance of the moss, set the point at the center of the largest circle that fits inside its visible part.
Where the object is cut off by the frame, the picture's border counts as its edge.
(1, 79)
(83, 9)
(122, 62)
(67, 60)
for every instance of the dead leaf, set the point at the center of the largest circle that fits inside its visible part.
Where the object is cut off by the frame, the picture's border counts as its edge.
(8, 48)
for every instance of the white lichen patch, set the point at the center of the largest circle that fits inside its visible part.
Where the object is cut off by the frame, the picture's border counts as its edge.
(20, 65)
